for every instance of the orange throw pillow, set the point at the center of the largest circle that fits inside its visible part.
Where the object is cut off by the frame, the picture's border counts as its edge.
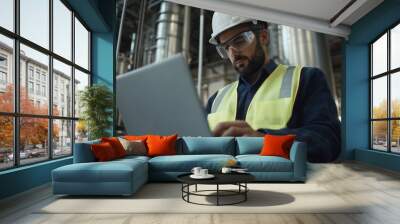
(161, 145)
(116, 145)
(277, 145)
(135, 137)
(103, 152)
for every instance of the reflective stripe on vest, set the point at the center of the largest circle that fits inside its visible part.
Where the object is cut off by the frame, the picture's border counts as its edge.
(271, 106)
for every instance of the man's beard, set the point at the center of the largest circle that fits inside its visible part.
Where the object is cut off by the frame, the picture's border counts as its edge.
(254, 64)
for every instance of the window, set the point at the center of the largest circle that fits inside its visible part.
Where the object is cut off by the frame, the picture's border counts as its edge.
(7, 14)
(30, 87)
(81, 45)
(38, 89)
(62, 31)
(62, 75)
(30, 72)
(3, 72)
(385, 95)
(3, 78)
(34, 21)
(37, 74)
(54, 126)
(6, 81)
(43, 90)
(3, 61)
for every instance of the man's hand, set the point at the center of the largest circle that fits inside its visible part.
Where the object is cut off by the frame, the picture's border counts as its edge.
(235, 128)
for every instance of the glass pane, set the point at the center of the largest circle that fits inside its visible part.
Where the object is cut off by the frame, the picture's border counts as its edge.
(62, 137)
(81, 131)
(81, 45)
(81, 81)
(6, 74)
(35, 21)
(379, 55)
(33, 139)
(395, 94)
(62, 89)
(379, 97)
(6, 142)
(62, 29)
(34, 97)
(7, 14)
(395, 47)
(395, 136)
(379, 135)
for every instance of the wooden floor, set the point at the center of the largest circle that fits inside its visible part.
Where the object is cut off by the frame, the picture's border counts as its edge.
(378, 188)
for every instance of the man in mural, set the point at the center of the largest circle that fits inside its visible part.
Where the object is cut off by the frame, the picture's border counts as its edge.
(269, 98)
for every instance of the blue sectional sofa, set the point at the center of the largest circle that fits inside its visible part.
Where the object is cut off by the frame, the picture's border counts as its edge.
(125, 176)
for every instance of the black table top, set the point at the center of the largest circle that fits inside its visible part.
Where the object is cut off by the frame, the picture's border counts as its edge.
(220, 178)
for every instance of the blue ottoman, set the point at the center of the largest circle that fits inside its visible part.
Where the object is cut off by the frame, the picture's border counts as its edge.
(118, 177)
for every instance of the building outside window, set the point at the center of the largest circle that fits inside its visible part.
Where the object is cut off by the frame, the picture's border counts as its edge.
(38, 89)
(43, 77)
(3, 72)
(385, 94)
(30, 87)
(43, 90)
(30, 72)
(56, 134)
(3, 78)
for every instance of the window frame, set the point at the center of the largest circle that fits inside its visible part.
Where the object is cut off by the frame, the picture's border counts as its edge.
(388, 74)
(16, 114)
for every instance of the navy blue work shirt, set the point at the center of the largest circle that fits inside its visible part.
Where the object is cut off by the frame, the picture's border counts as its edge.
(314, 118)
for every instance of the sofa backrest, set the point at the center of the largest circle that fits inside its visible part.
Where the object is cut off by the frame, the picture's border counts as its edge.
(206, 145)
(83, 152)
(249, 145)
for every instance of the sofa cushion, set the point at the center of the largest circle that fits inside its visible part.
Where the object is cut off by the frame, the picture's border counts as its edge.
(116, 145)
(249, 145)
(161, 145)
(206, 145)
(103, 152)
(111, 171)
(277, 145)
(185, 163)
(135, 147)
(257, 163)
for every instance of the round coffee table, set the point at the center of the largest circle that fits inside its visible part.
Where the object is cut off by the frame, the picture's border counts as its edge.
(238, 179)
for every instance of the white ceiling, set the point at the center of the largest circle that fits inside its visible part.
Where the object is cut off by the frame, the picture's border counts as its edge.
(315, 15)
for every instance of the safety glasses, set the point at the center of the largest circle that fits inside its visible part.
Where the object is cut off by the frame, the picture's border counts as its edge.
(238, 42)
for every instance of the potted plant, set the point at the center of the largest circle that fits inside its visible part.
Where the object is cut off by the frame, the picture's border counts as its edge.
(96, 102)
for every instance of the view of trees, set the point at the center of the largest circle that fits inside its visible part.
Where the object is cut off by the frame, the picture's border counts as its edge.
(34, 131)
(380, 127)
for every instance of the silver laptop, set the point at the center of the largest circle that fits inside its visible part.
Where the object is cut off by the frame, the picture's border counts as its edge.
(161, 99)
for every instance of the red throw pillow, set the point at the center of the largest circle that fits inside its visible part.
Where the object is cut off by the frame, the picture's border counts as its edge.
(161, 145)
(103, 151)
(116, 145)
(277, 145)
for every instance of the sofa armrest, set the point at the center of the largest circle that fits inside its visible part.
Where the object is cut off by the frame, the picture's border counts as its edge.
(298, 155)
(83, 152)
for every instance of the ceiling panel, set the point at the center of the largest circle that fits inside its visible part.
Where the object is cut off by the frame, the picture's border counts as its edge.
(320, 9)
(314, 15)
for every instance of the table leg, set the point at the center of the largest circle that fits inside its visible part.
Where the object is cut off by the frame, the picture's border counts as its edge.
(196, 188)
(245, 193)
(217, 194)
(188, 192)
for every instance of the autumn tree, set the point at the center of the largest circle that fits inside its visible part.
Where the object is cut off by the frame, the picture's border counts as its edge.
(33, 131)
(380, 127)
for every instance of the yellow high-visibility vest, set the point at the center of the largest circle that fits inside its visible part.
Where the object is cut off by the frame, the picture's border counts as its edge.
(271, 106)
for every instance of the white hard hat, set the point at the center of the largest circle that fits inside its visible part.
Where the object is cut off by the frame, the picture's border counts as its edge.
(222, 22)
